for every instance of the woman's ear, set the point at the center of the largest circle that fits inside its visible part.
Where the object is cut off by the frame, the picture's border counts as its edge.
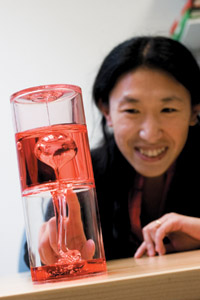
(104, 108)
(194, 115)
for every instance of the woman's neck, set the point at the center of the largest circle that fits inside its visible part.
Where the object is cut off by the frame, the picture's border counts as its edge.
(153, 189)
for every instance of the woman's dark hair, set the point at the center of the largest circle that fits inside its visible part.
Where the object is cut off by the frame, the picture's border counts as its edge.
(154, 52)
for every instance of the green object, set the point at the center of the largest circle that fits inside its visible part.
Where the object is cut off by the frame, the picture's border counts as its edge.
(179, 30)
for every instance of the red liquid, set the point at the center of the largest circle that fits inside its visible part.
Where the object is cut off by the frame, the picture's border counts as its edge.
(35, 172)
(63, 272)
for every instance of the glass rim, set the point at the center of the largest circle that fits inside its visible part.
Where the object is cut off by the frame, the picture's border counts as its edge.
(41, 88)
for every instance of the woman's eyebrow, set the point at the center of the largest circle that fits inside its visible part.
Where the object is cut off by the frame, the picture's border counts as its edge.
(171, 98)
(129, 100)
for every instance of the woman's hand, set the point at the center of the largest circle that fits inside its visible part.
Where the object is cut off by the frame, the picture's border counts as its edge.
(182, 232)
(72, 228)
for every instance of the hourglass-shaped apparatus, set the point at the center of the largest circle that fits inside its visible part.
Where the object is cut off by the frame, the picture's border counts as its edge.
(57, 184)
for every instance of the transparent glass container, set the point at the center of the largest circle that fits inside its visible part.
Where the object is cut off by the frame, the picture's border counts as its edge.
(57, 184)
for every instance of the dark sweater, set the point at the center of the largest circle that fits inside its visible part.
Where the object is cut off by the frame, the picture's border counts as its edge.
(114, 178)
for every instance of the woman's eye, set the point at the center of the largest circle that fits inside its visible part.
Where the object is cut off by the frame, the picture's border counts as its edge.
(132, 111)
(169, 110)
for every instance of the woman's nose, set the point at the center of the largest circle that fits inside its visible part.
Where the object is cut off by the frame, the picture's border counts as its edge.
(151, 130)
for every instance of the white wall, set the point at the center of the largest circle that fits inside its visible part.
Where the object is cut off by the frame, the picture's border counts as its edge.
(58, 41)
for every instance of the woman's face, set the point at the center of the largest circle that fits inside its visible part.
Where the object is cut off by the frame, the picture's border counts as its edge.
(150, 113)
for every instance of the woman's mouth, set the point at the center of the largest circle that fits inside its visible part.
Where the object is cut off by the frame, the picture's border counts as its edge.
(152, 153)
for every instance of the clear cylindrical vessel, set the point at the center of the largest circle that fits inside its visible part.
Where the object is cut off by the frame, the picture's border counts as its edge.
(59, 198)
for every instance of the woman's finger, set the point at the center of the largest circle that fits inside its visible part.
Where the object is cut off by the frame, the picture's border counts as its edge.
(47, 254)
(141, 250)
(52, 232)
(74, 210)
(169, 223)
(149, 236)
(88, 250)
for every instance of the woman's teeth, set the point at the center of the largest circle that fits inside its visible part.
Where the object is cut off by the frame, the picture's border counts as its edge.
(152, 153)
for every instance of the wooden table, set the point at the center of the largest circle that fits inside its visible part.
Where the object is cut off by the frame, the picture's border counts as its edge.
(173, 276)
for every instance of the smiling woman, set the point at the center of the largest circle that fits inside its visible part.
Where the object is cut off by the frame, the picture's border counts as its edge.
(146, 169)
